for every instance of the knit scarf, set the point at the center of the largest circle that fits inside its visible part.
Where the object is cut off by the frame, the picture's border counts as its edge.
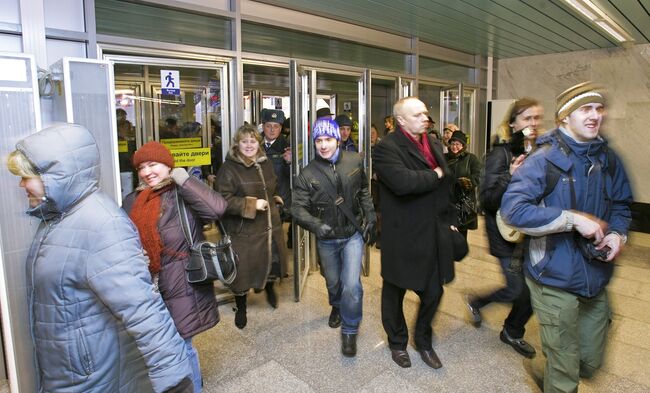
(145, 213)
(423, 147)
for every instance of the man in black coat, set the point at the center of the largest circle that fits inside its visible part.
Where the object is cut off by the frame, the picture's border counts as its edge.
(415, 201)
(278, 150)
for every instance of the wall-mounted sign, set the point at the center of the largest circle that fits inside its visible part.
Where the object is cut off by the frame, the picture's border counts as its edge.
(191, 157)
(170, 82)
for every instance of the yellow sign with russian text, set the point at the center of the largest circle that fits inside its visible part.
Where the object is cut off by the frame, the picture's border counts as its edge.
(122, 146)
(181, 143)
(191, 157)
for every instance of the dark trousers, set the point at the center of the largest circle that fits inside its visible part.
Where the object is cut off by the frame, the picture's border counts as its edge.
(516, 292)
(392, 315)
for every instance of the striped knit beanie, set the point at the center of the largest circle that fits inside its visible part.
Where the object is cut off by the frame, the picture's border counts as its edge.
(577, 96)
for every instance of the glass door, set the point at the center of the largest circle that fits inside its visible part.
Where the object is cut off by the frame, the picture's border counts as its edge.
(180, 103)
(457, 106)
(343, 92)
(405, 87)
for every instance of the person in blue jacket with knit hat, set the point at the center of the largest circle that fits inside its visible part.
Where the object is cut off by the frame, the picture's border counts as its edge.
(577, 222)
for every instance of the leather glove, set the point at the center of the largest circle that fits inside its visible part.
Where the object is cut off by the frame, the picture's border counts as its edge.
(465, 183)
(370, 233)
(323, 230)
(184, 386)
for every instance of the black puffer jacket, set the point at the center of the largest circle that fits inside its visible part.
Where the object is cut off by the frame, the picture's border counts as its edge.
(312, 206)
(493, 185)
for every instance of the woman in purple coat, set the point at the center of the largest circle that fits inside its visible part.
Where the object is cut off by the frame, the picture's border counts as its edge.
(153, 209)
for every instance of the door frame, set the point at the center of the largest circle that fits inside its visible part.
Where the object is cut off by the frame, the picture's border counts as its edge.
(303, 80)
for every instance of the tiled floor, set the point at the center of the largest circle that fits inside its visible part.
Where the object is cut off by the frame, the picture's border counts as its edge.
(292, 349)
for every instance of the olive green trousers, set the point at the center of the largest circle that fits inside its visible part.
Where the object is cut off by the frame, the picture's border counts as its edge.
(573, 331)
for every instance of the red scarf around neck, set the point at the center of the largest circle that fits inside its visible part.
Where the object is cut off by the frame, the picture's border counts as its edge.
(145, 213)
(423, 147)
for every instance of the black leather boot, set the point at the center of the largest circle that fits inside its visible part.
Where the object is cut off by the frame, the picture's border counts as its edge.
(240, 311)
(349, 345)
(271, 297)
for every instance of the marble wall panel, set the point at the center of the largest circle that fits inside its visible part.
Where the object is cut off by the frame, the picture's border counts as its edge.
(625, 72)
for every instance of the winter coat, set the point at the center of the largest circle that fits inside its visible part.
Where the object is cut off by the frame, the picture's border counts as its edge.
(416, 213)
(252, 232)
(193, 307)
(493, 185)
(552, 257)
(96, 322)
(465, 164)
(313, 206)
(282, 170)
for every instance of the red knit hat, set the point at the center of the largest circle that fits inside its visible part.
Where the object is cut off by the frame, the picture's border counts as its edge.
(153, 151)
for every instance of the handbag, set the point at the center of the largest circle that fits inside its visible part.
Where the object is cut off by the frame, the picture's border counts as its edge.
(208, 261)
(507, 232)
(466, 209)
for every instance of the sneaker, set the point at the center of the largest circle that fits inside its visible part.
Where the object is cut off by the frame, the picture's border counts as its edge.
(474, 312)
(335, 318)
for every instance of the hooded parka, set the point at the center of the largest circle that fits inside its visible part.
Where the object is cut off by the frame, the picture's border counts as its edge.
(96, 322)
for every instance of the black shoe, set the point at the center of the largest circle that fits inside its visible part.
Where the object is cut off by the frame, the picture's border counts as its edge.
(401, 357)
(474, 312)
(349, 345)
(519, 344)
(335, 318)
(271, 297)
(430, 358)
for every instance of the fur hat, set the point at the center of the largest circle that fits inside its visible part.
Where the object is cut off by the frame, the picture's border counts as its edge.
(272, 116)
(343, 121)
(326, 127)
(458, 136)
(577, 96)
(153, 151)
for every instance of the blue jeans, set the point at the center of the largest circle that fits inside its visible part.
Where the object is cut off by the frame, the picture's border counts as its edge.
(515, 292)
(340, 261)
(194, 362)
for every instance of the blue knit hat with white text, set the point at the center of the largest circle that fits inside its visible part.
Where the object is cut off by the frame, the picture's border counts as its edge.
(326, 127)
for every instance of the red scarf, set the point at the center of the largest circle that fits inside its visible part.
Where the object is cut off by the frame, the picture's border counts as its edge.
(423, 147)
(145, 213)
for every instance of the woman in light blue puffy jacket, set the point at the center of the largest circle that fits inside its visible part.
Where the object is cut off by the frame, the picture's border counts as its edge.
(96, 321)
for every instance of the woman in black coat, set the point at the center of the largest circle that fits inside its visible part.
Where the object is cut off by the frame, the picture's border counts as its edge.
(466, 172)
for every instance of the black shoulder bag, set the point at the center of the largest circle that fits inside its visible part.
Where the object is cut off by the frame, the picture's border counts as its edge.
(338, 200)
(208, 261)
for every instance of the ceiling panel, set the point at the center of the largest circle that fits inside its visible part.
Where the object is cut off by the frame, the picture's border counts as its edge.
(632, 16)
(499, 28)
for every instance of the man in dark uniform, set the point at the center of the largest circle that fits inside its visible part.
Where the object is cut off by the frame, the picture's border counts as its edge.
(415, 203)
(278, 150)
(345, 127)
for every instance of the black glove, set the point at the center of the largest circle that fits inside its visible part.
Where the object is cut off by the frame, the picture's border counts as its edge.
(370, 233)
(184, 386)
(323, 231)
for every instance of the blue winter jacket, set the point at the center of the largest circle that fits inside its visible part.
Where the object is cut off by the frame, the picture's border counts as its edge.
(96, 322)
(552, 257)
